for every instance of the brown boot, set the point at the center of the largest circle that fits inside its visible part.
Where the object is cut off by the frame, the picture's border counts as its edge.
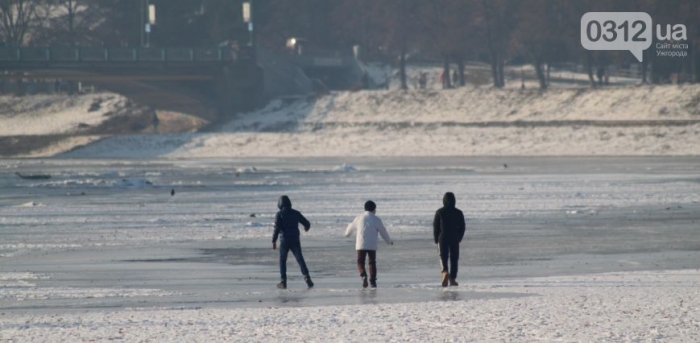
(445, 278)
(453, 282)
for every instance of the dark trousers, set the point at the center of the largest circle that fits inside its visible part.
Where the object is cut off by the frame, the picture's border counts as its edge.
(295, 247)
(361, 254)
(451, 252)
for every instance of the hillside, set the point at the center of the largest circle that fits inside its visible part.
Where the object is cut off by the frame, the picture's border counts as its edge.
(659, 120)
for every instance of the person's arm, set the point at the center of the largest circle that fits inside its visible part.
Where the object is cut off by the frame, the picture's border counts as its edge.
(276, 233)
(350, 228)
(304, 222)
(462, 226)
(436, 226)
(383, 232)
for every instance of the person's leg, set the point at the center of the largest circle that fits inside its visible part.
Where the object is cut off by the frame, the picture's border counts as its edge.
(444, 251)
(361, 254)
(454, 263)
(372, 267)
(296, 250)
(284, 251)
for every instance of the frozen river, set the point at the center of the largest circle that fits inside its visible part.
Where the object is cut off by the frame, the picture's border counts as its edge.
(107, 234)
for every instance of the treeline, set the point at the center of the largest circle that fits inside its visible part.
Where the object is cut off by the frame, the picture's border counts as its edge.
(499, 32)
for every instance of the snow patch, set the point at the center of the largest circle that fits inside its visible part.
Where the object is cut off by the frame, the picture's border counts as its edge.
(246, 170)
(345, 168)
(32, 204)
(134, 183)
(97, 183)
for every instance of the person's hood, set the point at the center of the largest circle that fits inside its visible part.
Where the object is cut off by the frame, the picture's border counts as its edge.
(284, 202)
(449, 200)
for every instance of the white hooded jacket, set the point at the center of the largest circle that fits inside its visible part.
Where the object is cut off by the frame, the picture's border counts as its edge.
(368, 227)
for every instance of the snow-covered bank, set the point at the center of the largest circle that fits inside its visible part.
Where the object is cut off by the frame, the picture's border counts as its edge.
(469, 121)
(55, 114)
(440, 141)
(659, 120)
(479, 105)
(641, 306)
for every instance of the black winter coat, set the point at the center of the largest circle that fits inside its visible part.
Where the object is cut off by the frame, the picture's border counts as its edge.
(448, 225)
(287, 221)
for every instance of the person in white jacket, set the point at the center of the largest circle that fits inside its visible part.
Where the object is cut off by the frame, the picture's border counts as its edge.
(368, 227)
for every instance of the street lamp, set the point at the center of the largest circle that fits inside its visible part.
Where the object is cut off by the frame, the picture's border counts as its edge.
(151, 21)
(246, 12)
(248, 19)
(295, 44)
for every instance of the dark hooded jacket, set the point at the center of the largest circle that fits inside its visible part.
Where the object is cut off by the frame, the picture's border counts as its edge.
(287, 221)
(448, 225)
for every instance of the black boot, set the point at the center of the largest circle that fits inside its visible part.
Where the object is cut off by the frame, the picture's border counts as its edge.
(453, 282)
(308, 281)
(282, 284)
(373, 283)
(364, 281)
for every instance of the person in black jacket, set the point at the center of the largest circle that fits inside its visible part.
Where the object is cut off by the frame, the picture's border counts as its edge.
(287, 223)
(448, 231)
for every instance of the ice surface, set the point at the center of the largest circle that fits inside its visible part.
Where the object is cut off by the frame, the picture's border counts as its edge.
(136, 263)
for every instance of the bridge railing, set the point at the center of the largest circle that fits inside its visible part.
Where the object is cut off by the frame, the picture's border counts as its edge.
(93, 54)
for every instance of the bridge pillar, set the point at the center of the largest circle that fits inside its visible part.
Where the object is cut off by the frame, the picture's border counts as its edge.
(226, 98)
(239, 88)
(21, 88)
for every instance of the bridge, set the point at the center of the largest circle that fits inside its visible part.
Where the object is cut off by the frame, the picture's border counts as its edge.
(191, 80)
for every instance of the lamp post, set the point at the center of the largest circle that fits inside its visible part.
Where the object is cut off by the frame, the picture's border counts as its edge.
(143, 20)
(151, 11)
(248, 19)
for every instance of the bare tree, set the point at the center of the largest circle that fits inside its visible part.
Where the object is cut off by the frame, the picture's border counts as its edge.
(16, 19)
(499, 20)
(71, 7)
(444, 24)
(396, 28)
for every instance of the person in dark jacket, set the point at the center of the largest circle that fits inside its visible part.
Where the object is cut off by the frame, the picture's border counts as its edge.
(287, 223)
(448, 231)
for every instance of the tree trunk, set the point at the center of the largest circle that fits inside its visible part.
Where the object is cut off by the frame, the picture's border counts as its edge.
(501, 74)
(693, 62)
(493, 53)
(402, 59)
(71, 22)
(540, 73)
(446, 72)
(645, 63)
(460, 68)
(402, 68)
(494, 69)
(589, 67)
